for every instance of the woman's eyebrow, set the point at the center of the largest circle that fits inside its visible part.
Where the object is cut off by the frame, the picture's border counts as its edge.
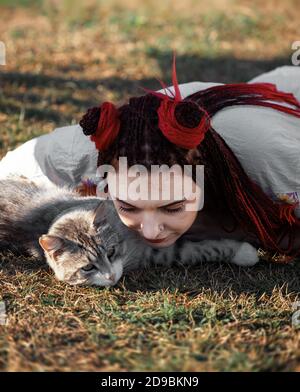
(173, 203)
(166, 205)
(124, 202)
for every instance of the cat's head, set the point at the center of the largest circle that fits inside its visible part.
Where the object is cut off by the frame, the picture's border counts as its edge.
(83, 248)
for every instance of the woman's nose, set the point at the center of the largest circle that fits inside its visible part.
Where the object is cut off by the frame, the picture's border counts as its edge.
(150, 230)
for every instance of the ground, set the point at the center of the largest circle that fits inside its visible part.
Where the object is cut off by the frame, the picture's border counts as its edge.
(63, 57)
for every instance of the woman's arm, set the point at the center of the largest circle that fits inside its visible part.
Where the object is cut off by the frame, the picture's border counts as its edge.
(62, 157)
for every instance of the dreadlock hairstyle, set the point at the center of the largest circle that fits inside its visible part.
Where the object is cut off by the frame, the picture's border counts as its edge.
(157, 129)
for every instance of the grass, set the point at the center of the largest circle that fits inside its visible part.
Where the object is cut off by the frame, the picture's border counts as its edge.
(214, 317)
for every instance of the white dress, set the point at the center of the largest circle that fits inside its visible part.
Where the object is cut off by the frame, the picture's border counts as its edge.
(266, 142)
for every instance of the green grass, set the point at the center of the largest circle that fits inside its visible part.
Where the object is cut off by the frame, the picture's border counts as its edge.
(213, 317)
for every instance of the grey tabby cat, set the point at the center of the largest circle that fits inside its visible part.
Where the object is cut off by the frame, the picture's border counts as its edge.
(84, 241)
(69, 231)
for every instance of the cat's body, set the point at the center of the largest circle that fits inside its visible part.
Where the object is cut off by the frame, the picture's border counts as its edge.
(85, 242)
(57, 224)
(27, 212)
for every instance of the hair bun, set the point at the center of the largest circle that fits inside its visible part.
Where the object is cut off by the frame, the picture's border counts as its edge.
(188, 114)
(89, 121)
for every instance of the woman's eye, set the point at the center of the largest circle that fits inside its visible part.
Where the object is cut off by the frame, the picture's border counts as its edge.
(127, 209)
(174, 210)
(110, 252)
(88, 267)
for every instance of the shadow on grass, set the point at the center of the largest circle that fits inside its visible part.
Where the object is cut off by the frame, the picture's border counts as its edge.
(11, 264)
(189, 68)
(221, 69)
(216, 277)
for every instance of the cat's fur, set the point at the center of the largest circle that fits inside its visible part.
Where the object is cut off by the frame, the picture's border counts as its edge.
(58, 224)
(77, 233)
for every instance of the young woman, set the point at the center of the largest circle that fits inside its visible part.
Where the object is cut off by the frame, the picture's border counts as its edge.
(246, 135)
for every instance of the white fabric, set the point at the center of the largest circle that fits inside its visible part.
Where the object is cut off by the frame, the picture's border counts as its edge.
(286, 78)
(266, 142)
(64, 156)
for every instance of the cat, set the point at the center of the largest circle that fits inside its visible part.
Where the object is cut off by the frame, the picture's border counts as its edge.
(84, 241)
(59, 226)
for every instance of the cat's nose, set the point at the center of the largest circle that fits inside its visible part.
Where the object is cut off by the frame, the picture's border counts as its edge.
(111, 276)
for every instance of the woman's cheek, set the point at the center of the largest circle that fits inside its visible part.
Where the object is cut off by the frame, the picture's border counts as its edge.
(182, 222)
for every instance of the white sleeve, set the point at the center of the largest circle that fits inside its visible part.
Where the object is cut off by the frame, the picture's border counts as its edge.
(21, 161)
(62, 157)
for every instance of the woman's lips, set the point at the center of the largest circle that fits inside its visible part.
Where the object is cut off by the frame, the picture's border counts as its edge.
(156, 241)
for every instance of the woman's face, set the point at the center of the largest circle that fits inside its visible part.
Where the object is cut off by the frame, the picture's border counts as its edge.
(162, 219)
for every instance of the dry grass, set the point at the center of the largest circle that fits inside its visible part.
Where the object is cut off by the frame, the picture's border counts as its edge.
(63, 57)
(214, 317)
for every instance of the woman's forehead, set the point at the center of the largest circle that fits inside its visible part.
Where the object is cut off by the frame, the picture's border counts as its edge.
(151, 186)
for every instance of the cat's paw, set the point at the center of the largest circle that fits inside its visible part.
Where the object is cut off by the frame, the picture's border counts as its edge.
(246, 255)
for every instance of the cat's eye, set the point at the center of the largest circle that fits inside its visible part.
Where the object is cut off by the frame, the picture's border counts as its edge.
(88, 267)
(110, 252)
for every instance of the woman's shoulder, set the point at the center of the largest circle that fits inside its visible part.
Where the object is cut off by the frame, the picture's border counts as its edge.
(189, 88)
(62, 156)
(66, 155)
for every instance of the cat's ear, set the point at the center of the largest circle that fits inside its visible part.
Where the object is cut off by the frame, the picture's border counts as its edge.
(99, 215)
(51, 243)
